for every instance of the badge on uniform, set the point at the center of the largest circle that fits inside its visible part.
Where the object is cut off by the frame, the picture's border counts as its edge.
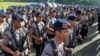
(47, 54)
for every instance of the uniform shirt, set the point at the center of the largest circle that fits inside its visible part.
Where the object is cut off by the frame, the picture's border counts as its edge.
(23, 23)
(84, 18)
(47, 13)
(7, 37)
(25, 18)
(48, 51)
(72, 38)
(88, 17)
(78, 28)
(59, 14)
(34, 30)
(50, 23)
(9, 20)
(3, 27)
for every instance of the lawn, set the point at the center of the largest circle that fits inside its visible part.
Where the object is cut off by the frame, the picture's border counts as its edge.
(6, 4)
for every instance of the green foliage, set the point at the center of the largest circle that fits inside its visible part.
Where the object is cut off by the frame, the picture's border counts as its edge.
(2, 0)
(89, 2)
(6, 4)
(86, 2)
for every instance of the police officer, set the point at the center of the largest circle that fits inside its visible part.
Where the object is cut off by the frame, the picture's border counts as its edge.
(79, 26)
(93, 15)
(8, 18)
(3, 27)
(15, 38)
(56, 46)
(70, 42)
(49, 24)
(36, 32)
(3, 24)
(84, 26)
(31, 18)
(89, 15)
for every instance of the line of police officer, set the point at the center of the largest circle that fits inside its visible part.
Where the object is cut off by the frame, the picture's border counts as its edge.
(42, 25)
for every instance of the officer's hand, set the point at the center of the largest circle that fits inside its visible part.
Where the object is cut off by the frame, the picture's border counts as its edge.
(18, 53)
(41, 39)
(66, 49)
(79, 37)
(15, 54)
(71, 49)
(37, 38)
(29, 51)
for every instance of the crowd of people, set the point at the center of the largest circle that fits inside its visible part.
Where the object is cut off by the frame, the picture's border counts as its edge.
(52, 31)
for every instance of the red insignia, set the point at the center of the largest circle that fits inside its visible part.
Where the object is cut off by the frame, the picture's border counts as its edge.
(47, 54)
(6, 36)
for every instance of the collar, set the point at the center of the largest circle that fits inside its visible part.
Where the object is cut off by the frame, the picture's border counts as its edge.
(57, 44)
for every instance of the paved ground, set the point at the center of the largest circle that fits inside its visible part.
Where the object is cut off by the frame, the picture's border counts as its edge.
(91, 46)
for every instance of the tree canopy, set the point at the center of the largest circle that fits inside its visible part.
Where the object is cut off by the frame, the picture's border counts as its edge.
(86, 2)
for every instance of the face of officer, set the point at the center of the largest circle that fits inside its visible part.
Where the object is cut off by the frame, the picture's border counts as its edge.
(53, 14)
(8, 15)
(79, 16)
(17, 23)
(63, 34)
(1, 19)
(73, 23)
(38, 18)
(88, 12)
(34, 13)
(72, 11)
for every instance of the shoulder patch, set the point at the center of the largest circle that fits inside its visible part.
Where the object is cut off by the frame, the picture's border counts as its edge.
(47, 54)
(6, 36)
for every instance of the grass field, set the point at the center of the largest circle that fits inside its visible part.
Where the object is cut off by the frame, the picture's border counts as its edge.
(6, 4)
